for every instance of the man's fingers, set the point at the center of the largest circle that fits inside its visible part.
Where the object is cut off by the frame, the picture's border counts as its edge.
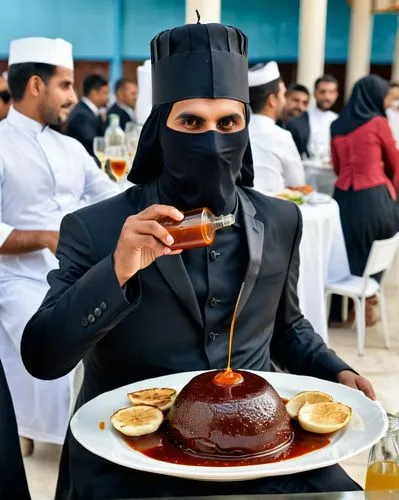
(155, 212)
(155, 229)
(365, 386)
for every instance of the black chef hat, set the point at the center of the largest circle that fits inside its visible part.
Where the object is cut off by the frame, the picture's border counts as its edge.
(199, 60)
(188, 62)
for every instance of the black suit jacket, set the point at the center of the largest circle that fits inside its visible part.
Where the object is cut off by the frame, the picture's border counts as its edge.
(300, 130)
(155, 327)
(84, 126)
(124, 117)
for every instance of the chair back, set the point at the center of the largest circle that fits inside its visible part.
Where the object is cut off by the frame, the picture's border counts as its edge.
(381, 256)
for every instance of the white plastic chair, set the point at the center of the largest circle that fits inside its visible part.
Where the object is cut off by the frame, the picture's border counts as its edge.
(359, 289)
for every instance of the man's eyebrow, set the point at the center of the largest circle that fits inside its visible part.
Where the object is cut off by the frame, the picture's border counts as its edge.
(191, 116)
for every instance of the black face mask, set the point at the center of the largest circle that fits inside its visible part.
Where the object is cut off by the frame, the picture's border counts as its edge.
(201, 170)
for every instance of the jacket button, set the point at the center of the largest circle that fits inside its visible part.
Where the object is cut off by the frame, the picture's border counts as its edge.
(97, 312)
(84, 322)
(212, 336)
(214, 255)
(91, 318)
(213, 302)
(103, 306)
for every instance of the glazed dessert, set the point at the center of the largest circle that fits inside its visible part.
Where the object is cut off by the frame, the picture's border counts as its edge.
(231, 421)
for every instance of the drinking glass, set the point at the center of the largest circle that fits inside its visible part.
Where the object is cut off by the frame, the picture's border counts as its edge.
(383, 464)
(118, 163)
(99, 150)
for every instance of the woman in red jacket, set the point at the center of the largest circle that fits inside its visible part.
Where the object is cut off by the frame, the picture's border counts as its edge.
(366, 161)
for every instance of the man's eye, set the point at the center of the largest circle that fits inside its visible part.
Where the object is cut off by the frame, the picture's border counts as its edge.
(227, 123)
(190, 122)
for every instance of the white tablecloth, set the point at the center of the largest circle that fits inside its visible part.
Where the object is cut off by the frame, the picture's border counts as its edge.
(323, 257)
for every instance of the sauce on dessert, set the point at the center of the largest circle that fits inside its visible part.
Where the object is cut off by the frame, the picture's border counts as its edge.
(159, 447)
(228, 377)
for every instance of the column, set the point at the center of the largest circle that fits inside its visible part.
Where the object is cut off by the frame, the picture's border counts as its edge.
(210, 11)
(361, 28)
(312, 34)
(116, 69)
(395, 62)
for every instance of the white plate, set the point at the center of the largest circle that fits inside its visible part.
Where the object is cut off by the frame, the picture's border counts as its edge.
(369, 423)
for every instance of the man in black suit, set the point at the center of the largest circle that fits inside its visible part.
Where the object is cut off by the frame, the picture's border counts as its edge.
(133, 309)
(311, 129)
(296, 103)
(85, 121)
(124, 106)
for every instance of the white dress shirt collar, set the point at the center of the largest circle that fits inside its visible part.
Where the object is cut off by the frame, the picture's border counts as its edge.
(91, 105)
(22, 121)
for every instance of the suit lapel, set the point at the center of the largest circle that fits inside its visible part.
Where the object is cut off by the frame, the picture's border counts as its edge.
(255, 233)
(172, 268)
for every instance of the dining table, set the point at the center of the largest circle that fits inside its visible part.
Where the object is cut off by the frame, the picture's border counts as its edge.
(323, 258)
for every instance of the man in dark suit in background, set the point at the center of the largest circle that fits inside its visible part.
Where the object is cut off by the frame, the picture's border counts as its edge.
(125, 104)
(311, 130)
(296, 102)
(132, 308)
(85, 121)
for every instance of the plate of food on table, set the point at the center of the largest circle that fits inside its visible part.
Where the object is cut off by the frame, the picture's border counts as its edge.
(303, 194)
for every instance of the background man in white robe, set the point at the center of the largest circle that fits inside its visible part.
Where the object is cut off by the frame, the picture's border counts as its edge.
(43, 176)
(277, 164)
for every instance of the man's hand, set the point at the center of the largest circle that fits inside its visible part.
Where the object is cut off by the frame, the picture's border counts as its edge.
(143, 240)
(347, 377)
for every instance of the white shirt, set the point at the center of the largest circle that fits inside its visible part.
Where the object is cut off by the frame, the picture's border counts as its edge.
(44, 175)
(277, 163)
(320, 136)
(393, 118)
(91, 105)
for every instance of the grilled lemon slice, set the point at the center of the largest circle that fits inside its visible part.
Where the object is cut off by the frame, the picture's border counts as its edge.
(137, 420)
(294, 404)
(324, 418)
(162, 398)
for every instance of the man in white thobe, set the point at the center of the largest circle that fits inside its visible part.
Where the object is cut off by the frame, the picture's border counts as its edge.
(277, 164)
(44, 175)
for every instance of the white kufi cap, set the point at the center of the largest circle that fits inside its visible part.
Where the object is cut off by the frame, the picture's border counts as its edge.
(263, 75)
(56, 52)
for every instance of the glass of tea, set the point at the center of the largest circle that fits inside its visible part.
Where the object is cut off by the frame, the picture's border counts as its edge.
(383, 465)
(118, 163)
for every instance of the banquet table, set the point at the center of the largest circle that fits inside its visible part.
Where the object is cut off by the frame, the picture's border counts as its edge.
(323, 258)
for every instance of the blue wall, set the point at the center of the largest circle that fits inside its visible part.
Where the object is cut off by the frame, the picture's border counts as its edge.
(272, 26)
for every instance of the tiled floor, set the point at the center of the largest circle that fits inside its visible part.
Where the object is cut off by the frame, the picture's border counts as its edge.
(380, 365)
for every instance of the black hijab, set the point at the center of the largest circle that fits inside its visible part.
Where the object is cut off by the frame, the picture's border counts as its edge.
(366, 102)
